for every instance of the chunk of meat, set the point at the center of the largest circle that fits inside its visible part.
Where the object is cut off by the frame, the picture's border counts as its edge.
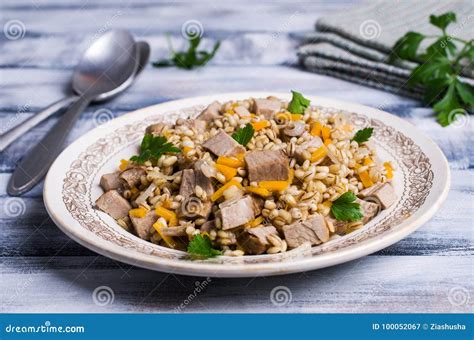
(369, 209)
(223, 145)
(156, 129)
(266, 107)
(267, 165)
(385, 195)
(370, 190)
(188, 182)
(132, 176)
(254, 240)
(211, 112)
(143, 225)
(242, 111)
(111, 181)
(174, 231)
(198, 125)
(237, 212)
(314, 230)
(190, 178)
(114, 204)
(313, 143)
(208, 226)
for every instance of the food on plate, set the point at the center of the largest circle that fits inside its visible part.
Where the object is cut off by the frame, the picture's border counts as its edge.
(250, 177)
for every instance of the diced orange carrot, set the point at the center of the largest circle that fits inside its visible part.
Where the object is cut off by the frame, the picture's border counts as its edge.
(320, 153)
(240, 156)
(326, 132)
(123, 164)
(168, 240)
(388, 170)
(258, 191)
(168, 215)
(368, 161)
(255, 222)
(327, 141)
(186, 149)
(296, 117)
(219, 192)
(138, 212)
(167, 203)
(274, 185)
(365, 179)
(230, 161)
(227, 171)
(257, 126)
(316, 129)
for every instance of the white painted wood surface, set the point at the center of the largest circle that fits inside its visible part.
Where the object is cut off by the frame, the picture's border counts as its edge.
(43, 271)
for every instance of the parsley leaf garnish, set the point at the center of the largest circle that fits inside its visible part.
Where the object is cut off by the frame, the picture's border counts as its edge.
(201, 247)
(152, 147)
(298, 103)
(188, 59)
(244, 135)
(345, 209)
(363, 135)
(439, 72)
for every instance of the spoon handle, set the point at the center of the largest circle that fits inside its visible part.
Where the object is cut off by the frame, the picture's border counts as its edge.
(36, 163)
(19, 130)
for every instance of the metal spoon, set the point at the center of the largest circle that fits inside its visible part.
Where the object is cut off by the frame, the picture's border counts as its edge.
(106, 67)
(13, 134)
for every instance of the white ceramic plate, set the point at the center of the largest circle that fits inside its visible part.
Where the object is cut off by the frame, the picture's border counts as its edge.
(72, 186)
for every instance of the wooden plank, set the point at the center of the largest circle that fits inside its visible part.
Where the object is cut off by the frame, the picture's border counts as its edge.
(369, 285)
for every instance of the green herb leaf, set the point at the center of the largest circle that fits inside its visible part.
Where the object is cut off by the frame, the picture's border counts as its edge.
(436, 68)
(201, 247)
(442, 46)
(191, 58)
(345, 209)
(441, 65)
(152, 148)
(442, 21)
(298, 103)
(363, 135)
(466, 93)
(407, 46)
(447, 105)
(244, 135)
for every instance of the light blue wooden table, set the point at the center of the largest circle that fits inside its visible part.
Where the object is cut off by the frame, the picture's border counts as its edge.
(43, 271)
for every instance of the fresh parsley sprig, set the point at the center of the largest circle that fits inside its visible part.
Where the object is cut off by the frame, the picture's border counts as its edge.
(188, 59)
(244, 135)
(298, 103)
(152, 148)
(345, 209)
(201, 247)
(440, 68)
(363, 135)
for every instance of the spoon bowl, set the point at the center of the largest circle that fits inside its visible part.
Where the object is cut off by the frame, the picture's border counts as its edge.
(107, 66)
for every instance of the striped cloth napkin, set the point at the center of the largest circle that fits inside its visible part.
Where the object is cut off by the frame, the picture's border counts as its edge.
(355, 44)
